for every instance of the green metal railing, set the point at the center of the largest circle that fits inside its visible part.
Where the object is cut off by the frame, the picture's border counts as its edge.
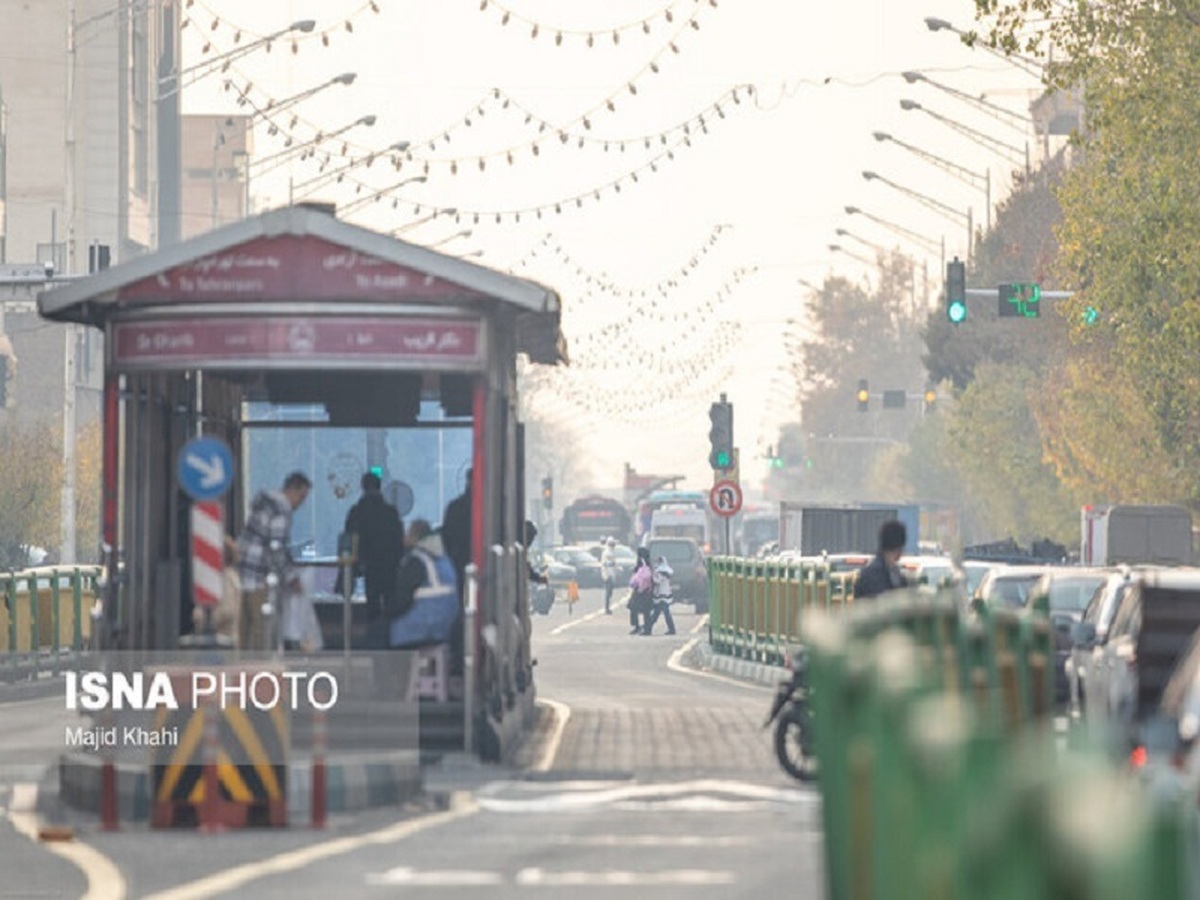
(45, 618)
(756, 607)
(941, 775)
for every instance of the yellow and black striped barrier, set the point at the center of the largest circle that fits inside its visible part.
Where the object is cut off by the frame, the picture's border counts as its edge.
(220, 766)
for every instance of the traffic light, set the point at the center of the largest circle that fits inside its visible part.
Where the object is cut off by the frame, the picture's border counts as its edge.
(863, 395)
(956, 291)
(548, 492)
(930, 400)
(1091, 315)
(720, 434)
(1019, 300)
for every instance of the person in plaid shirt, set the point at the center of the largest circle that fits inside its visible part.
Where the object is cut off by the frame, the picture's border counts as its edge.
(270, 523)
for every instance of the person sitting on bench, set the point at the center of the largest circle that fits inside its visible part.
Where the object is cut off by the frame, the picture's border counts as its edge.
(425, 607)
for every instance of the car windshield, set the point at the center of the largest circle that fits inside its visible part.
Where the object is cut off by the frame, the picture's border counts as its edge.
(1010, 590)
(674, 551)
(1073, 594)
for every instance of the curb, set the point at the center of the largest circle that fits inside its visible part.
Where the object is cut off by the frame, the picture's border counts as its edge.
(351, 785)
(703, 657)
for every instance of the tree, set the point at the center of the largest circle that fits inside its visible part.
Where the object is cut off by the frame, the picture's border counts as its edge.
(30, 491)
(1131, 227)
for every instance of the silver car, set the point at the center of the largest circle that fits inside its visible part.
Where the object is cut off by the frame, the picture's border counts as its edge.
(1153, 625)
(1090, 633)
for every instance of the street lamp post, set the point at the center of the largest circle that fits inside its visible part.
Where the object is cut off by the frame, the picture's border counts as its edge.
(464, 233)
(275, 160)
(171, 81)
(450, 211)
(838, 248)
(916, 237)
(980, 181)
(1024, 63)
(358, 204)
(930, 203)
(304, 188)
(876, 248)
(997, 146)
(1014, 119)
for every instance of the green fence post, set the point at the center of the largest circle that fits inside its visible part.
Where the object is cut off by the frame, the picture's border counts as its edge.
(54, 621)
(34, 637)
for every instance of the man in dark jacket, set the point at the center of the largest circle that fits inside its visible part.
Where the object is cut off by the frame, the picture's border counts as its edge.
(882, 574)
(380, 543)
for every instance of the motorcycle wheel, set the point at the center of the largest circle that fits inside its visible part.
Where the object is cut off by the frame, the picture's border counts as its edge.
(793, 744)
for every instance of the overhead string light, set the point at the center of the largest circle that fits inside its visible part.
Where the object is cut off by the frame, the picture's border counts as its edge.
(604, 283)
(215, 22)
(590, 37)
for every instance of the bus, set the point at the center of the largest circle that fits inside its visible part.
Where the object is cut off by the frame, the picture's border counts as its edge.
(594, 518)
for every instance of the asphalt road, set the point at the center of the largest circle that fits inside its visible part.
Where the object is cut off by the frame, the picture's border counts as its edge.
(642, 777)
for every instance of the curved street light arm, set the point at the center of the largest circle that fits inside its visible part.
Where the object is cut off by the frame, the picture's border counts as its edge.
(174, 82)
(1009, 117)
(355, 205)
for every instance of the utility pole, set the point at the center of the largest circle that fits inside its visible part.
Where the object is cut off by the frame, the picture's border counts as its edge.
(67, 539)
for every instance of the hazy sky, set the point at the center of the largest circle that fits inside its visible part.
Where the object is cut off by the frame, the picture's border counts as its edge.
(754, 201)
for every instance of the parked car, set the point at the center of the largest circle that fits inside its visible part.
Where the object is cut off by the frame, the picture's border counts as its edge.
(626, 559)
(587, 567)
(556, 572)
(1153, 625)
(935, 571)
(1007, 587)
(690, 581)
(1169, 737)
(1068, 593)
(1087, 643)
(973, 571)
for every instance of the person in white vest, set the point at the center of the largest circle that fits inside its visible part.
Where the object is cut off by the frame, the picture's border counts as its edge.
(425, 607)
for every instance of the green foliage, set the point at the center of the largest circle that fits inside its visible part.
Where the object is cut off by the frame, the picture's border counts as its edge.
(30, 490)
(1130, 240)
(999, 458)
(1020, 243)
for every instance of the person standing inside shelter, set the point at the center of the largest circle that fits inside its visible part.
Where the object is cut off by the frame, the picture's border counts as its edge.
(882, 574)
(380, 543)
(456, 531)
(264, 547)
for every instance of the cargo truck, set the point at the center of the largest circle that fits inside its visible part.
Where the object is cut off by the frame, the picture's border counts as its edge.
(812, 530)
(1154, 535)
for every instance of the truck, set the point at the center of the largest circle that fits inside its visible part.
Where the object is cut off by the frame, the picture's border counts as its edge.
(680, 520)
(1155, 535)
(812, 530)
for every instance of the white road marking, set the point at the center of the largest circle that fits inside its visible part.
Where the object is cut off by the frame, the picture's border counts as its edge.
(562, 714)
(592, 615)
(657, 840)
(617, 878)
(104, 881)
(703, 794)
(238, 876)
(443, 878)
(675, 665)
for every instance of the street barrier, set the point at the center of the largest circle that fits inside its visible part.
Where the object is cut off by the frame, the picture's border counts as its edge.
(45, 613)
(756, 607)
(941, 776)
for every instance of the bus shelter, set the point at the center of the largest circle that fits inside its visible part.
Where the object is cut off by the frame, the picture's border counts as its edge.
(306, 343)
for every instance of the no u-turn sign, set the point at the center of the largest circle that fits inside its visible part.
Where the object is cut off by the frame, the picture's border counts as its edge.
(725, 498)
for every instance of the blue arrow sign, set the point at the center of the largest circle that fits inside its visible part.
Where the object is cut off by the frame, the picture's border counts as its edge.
(205, 468)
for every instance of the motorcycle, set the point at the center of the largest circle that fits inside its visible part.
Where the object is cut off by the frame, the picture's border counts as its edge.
(793, 724)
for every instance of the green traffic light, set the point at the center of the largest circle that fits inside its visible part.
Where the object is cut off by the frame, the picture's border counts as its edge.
(723, 460)
(956, 312)
(1091, 315)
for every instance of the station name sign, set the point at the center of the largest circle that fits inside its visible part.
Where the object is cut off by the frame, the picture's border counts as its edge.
(238, 341)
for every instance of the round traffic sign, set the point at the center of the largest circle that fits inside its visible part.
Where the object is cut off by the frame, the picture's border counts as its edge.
(725, 498)
(205, 468)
